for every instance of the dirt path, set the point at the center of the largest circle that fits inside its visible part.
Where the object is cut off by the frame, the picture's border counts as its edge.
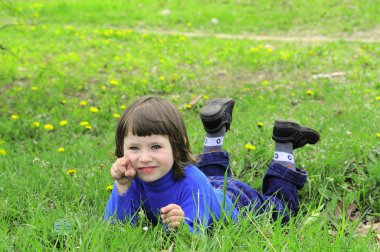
(367, 37)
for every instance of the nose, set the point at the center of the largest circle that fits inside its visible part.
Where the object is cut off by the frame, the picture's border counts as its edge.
(145, 157)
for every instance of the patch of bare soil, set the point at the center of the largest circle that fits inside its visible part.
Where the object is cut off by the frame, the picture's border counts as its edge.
(370, 36)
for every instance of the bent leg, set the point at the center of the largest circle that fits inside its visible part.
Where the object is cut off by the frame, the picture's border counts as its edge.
(215, 164)
(282, 184)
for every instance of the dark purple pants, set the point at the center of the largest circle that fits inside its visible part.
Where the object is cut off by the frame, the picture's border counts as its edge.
(280, 186)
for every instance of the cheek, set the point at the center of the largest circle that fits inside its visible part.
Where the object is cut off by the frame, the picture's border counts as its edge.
(130, 155)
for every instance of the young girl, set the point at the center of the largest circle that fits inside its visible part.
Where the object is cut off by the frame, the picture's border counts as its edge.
(155, 169)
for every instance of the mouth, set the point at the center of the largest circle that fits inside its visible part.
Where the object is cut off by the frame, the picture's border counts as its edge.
(147, 169)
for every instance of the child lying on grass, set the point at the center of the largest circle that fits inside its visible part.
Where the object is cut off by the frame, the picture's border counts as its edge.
(156, 171)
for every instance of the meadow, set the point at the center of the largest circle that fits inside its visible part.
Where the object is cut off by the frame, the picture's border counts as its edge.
(70, 68)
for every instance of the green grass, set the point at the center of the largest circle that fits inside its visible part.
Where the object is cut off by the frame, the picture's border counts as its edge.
(227, 16)
(57, 54)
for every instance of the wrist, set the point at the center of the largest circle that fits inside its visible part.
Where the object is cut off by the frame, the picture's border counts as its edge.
(122, 187)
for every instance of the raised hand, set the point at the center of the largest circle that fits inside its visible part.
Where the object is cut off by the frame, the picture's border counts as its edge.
(123, 173)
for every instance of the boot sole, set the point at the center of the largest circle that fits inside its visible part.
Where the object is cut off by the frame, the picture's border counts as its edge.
(214, 111)
(310, 136)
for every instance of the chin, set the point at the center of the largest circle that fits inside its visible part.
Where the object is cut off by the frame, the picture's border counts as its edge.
(147, 178)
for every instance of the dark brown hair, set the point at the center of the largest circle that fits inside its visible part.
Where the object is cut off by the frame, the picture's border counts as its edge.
(151, 115)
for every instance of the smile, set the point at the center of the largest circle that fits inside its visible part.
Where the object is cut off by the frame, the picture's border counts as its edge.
(146, 169)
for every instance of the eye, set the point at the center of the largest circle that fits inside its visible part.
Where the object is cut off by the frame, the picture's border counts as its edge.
(133, 148)
(156, 147)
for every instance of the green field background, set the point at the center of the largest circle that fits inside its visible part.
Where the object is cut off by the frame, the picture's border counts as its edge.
(69, 69)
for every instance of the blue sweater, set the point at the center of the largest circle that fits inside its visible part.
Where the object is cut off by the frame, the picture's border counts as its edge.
(200, 202)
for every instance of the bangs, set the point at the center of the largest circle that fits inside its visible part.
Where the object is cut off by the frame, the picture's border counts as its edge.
(148, 120)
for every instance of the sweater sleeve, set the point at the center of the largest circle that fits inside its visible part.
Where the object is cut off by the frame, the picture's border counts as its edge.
(197, 211)
(202, 204)
(123, 207)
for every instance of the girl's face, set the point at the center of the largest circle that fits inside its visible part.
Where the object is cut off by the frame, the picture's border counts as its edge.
(151, 156)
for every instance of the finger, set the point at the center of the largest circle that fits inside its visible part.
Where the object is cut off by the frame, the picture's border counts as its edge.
(173, 225)
(123, 161)
(169, 207)
(172, 219)
(129, 166)
(168, 220)
(115, 174)
(174, 212)
(130, 173)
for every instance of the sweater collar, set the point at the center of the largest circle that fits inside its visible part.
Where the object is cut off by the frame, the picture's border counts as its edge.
(164, 183)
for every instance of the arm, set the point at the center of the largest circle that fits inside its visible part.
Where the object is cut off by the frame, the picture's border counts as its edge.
(124, 200)
(123, 207)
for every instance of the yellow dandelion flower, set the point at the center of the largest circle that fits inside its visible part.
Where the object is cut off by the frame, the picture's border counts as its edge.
(63, 122)
(249, 146)
(84, 123)
(182, 38)
(34, 88)
(36, 124)
(36, 6)
(94, 109)
(105, 42)
(378, 134)
(284, 56)
(101, 166)
(162, 78)
(205, 97)
(175, 77)
(114, 82)
(188, 106)
(269, 49)
(69, 27)
(3, 152)
(83, 103)
(109, 188)
(88, 127)
(48, 127)
(123, 107)
(71, 172)
(103, 88)
(116, 115)
(377, 98)
(14, 117)
(61, 149)
(260, 124)
(254, 50)
(309, 92)
(265, 83)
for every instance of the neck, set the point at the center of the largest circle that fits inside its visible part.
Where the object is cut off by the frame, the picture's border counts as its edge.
(162, 184)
